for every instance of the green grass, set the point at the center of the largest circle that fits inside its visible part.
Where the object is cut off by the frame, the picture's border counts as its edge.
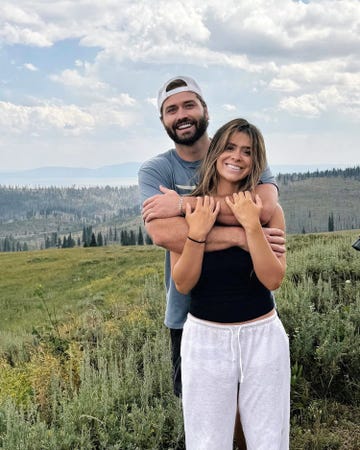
(62, 282)
(85, 359)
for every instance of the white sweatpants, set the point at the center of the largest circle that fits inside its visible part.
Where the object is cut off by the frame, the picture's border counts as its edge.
(215, 359)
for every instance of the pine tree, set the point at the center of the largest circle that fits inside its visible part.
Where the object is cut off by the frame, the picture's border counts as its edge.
(64, 242)
(47, 242)
(70, 241)
(99, 240)
(93, 240)
(132, 238)
(140, 239)
(124, 238)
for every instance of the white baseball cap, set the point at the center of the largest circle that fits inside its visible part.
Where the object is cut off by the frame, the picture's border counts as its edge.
(190, 86)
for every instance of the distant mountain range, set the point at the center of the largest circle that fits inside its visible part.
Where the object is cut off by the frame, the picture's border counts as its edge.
(79, 175)
(129, 169)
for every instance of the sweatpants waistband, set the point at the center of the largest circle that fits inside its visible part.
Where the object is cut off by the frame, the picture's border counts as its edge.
(226, 326)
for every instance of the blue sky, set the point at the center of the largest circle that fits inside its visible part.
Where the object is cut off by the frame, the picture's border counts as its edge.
(79, 79)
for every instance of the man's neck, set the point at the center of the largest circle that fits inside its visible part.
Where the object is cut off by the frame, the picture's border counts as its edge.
(194, 152)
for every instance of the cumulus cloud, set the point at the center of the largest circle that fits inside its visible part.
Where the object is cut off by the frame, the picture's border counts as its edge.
(68, 118)
(289, 56)
(74, 79)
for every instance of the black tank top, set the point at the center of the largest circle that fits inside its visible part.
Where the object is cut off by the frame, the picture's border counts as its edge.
(228, 289)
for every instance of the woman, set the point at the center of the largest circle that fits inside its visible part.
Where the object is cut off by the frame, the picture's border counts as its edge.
(233, 336)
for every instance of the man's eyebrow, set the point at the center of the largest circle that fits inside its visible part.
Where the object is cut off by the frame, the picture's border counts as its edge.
(170, 106)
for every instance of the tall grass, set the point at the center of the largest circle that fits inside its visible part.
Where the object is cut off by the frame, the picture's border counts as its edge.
(101, 379)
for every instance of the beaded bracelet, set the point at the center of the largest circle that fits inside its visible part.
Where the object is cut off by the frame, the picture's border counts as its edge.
(194, 240)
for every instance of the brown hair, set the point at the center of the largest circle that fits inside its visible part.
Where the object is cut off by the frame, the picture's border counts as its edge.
(208, 175)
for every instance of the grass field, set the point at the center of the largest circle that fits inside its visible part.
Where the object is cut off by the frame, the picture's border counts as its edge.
(84, 357)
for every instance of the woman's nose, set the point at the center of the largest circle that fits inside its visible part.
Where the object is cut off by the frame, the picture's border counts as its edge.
(236, 154)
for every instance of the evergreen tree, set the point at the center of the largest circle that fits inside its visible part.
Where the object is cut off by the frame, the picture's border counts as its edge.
(47, 242)
(7, 246)
(70, 241)
(140, 239)
(93, 240)
(331, 222)
(99, 240)
(54, 239)
(87, 235)
(132, 238)
(64, 242)
(124, 238)
(148, 240)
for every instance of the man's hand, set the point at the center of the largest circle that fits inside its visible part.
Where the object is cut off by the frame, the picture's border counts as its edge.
(276, 239)
(161, 206)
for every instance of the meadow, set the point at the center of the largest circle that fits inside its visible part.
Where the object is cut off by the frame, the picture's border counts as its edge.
(85, 360)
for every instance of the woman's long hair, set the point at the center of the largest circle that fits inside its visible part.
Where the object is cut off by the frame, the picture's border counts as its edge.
(208, 176)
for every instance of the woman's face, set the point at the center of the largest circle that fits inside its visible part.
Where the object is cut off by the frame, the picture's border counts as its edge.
(235, 163)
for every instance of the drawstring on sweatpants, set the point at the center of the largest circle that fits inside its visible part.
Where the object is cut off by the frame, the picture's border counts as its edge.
(233, 354)
(240, 357)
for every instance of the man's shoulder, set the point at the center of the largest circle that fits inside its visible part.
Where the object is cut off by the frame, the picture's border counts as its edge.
(159, 160)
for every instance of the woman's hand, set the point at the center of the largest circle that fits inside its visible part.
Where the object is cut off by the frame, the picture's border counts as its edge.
(202, 219)
(246, 210)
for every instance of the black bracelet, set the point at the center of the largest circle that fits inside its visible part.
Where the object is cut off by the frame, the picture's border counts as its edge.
(194, 240)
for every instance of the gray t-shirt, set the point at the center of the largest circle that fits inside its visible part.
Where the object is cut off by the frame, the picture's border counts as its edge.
(169, 170)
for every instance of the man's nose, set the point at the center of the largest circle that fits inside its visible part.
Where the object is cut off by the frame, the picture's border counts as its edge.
(181, 113)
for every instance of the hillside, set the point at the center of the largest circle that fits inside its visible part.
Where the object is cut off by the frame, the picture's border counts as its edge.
(309, 200)
(84, 352)
(312, 202)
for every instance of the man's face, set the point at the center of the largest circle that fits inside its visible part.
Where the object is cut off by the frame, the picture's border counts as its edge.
(184, 118)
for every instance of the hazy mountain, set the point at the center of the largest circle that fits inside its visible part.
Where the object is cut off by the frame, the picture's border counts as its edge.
(129, 169)
(76, 175)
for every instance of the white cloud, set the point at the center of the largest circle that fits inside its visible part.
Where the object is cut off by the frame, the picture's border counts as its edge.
(72, 119)
(31, 67)
(269, 56)
(74, 79)
(284, 85)
(305, 105)
(229, 107)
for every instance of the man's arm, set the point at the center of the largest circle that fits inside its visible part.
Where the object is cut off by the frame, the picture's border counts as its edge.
(269, 197)
(171, 204)
(171, 234)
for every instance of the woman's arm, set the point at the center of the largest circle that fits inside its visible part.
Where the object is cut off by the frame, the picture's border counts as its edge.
(186, 267)
(269, 268)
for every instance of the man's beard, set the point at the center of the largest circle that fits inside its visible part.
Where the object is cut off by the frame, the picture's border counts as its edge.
(200, 128)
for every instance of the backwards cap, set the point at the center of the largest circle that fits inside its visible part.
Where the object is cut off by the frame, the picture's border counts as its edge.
(190, 86)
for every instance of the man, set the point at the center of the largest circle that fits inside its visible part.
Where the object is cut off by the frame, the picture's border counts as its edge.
(164, 182)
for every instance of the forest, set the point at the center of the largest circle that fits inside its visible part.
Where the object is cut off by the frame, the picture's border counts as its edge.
(38, 218)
